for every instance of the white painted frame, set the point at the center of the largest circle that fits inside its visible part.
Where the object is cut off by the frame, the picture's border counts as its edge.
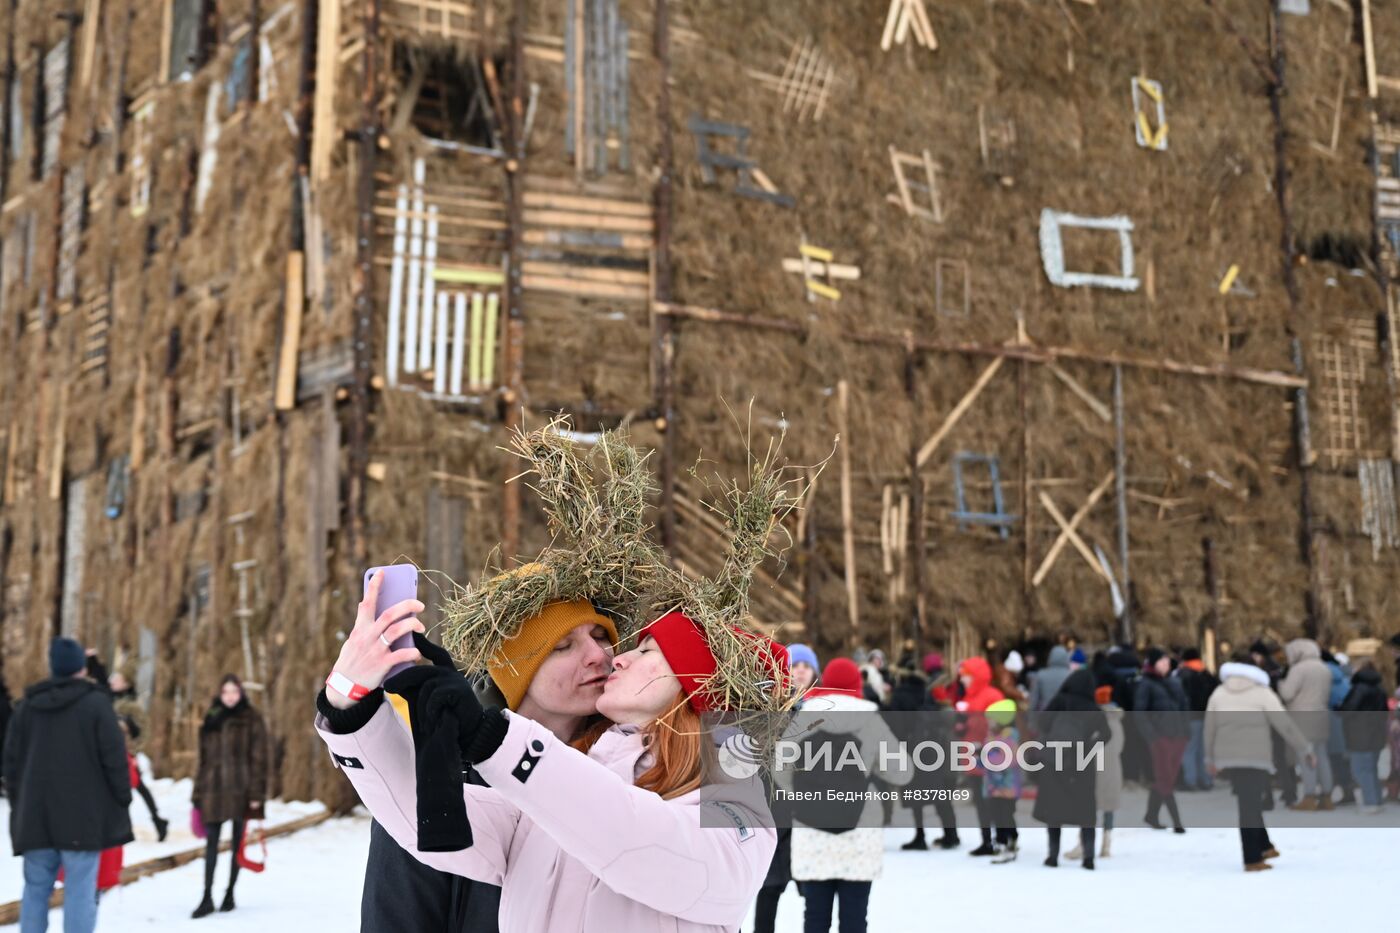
(1052, 250)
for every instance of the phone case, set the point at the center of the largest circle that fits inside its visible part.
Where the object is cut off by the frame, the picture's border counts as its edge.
(400, 583)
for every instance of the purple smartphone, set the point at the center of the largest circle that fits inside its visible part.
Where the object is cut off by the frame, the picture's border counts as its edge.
(400, 583)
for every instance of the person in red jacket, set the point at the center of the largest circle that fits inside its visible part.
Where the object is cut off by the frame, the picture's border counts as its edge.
(975, 675)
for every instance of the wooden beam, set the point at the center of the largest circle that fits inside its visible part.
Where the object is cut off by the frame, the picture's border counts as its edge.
(138, 416)
(1087, 397)
(1071, 534)
(1120, 469)
(285, 395)
(1035, 353)
(60, 445)
(1212, 620)
(92, 14)
(960, 409)
(323, 134)
(1050, 556)
(848, 541)
(1369, 43)
(513, 310)
(916, 503)
(363, 291)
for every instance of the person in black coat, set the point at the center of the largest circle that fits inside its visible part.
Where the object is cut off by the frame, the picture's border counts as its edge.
(1160, 709)
(65, 765)
(1066, 795)
(919, 718)
(1365, 719)
(401, 893)
(4, 722)
(1124, 670)
(1198, 684)
(1262, 655)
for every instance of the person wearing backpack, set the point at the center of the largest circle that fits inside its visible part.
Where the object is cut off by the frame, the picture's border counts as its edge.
(1365, 718)
(840, 864)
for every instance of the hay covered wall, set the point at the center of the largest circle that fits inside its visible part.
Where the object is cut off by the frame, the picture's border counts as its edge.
(210, 421)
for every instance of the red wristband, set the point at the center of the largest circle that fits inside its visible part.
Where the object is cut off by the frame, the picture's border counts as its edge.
(347, 687)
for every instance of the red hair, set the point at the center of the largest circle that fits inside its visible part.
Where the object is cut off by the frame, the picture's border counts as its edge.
(674, 741)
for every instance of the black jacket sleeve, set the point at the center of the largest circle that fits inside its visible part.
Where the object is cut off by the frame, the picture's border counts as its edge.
(111, 751)
(16, 738)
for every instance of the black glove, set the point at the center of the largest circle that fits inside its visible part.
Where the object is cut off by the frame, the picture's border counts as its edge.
(442, 811)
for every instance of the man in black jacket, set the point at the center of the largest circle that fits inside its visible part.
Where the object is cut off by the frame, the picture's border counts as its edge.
(1199, 684)
(69, 787)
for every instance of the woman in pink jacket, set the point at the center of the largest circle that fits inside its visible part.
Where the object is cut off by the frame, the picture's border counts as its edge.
(607, 834)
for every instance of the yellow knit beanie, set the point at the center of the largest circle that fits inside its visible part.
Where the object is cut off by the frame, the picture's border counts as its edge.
(514, 665)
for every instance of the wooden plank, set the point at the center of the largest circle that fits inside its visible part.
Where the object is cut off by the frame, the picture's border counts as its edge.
(164, 74)
(544, 218)
(60, 446)
(323, 135)
(587, 273)
(1369, 43)
(284, 397)
(469, 275)
(593, 205)
(832, 270)
(958, 411)
(11, 452)
(1050, 556)
(848, 541)
(563, 238)
(1120, 469)
(582, 287)
(138, 417)
(589, 186)
(92, 14)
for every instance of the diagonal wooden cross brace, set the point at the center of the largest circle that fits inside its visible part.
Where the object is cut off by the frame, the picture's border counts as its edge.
(1068, 534)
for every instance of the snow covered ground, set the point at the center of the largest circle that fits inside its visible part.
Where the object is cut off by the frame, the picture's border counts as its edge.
(173, 802)
(313, 881)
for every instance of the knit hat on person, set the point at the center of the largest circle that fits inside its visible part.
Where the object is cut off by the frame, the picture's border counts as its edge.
(66, 657)
(682, 640)
(1014, 662)
(802, 654)
(841, 676)
(1103, 694)
(1191, 654)
(520, 656)
(1152, 656)
(1002, 712)
(933, 661)
(1077, 656)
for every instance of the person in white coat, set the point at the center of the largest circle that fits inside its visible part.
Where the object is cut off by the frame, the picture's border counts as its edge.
(839, 866)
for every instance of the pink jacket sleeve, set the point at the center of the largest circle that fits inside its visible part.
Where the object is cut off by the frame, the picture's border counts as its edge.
(650, 850)
(378, 760)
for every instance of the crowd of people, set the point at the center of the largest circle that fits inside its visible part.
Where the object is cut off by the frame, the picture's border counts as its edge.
(71, 771)
(71, 768)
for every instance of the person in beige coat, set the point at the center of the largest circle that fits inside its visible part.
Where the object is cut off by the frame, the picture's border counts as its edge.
(1305, 690)
(1108, 789)
(1239, 716)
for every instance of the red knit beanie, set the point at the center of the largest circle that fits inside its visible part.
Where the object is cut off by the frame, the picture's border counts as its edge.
(682, 640)
(841, 676)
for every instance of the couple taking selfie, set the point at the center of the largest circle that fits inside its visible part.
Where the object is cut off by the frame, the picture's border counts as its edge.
(565, 794)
